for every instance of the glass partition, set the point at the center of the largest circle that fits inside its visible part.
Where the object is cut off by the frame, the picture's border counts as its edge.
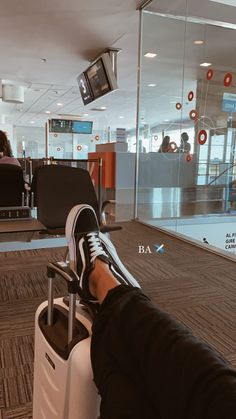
(187, 124)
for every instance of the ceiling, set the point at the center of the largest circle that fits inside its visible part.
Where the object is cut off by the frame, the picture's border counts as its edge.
(68, 35)
(44, 45)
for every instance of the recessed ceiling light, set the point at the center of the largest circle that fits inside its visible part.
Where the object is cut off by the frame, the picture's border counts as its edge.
(59, 104)
(198, 42)
(32, 122)
(47, 112)
(150, 55)
(205, 64)
(121, 117)
(151, 85)
(86, 114)
(166, 120)
(103, 107)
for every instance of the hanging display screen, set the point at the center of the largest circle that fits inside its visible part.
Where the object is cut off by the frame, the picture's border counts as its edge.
(84, 88)
(70, 127)
(98, 80)
(82, 127)
(60, 125)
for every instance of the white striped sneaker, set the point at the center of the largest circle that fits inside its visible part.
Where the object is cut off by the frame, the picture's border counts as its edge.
(86, 244)
(81, 220)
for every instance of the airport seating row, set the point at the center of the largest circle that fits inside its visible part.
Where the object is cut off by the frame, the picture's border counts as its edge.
(54, 190)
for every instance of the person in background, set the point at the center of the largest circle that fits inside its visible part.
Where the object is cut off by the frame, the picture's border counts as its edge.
(184, 145)
(6, 151)
(164, 148)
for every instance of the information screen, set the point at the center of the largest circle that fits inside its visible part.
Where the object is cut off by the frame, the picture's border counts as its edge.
(70, 127)
(84, 88)
(98, 80)
(82, 127)
(60, 125)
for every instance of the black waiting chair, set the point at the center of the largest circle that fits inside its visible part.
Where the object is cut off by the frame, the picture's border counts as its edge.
(13, 191)
(58, 188)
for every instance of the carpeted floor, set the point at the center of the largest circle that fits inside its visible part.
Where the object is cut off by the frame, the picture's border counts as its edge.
(195, 286)
(23, 286)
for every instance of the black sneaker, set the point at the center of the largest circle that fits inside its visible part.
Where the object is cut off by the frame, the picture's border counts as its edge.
(85, 245)
(81, 220)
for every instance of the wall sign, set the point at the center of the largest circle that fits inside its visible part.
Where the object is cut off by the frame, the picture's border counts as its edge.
(230, 241)
(229, 102)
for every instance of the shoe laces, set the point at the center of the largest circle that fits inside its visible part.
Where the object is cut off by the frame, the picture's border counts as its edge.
(95, 246)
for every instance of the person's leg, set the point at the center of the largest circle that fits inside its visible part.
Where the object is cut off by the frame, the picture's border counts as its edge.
(177, 375)
(121, 398)
(86, 243)
(98, 288)
(121, 393)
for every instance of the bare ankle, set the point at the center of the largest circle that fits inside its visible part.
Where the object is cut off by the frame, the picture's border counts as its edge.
(101, 280)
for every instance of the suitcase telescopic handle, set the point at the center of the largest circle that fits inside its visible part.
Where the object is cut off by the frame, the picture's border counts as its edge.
(72, 280)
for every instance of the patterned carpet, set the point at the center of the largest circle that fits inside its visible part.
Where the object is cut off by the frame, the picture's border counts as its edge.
(23, 286)
(195, 286)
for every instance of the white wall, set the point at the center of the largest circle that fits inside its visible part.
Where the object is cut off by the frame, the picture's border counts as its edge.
(9, 130)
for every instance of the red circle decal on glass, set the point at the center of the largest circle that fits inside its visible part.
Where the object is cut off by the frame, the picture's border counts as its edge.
(210, 74)
(190, 96)
(55, 135)
(228, 79)
(172, 146)
(202, 137)
(155, 137)
(178, 105)
(79, 147)
(58, 148)
(193, 114)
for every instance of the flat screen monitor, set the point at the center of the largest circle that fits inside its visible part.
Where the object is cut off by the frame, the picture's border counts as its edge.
(82, 127)
(60, 125)
(84, 88)
(98, 80)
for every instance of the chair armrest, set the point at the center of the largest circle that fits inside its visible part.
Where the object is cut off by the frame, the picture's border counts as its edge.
(105, 203)
(104, 227)
(103, 215)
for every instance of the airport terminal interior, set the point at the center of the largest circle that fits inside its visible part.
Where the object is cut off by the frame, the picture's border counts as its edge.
(140, 95)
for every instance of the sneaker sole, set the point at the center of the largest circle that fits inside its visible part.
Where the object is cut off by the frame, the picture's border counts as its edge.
(112, 251)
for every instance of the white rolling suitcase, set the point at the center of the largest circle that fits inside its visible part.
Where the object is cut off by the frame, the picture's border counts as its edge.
(63, 380)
